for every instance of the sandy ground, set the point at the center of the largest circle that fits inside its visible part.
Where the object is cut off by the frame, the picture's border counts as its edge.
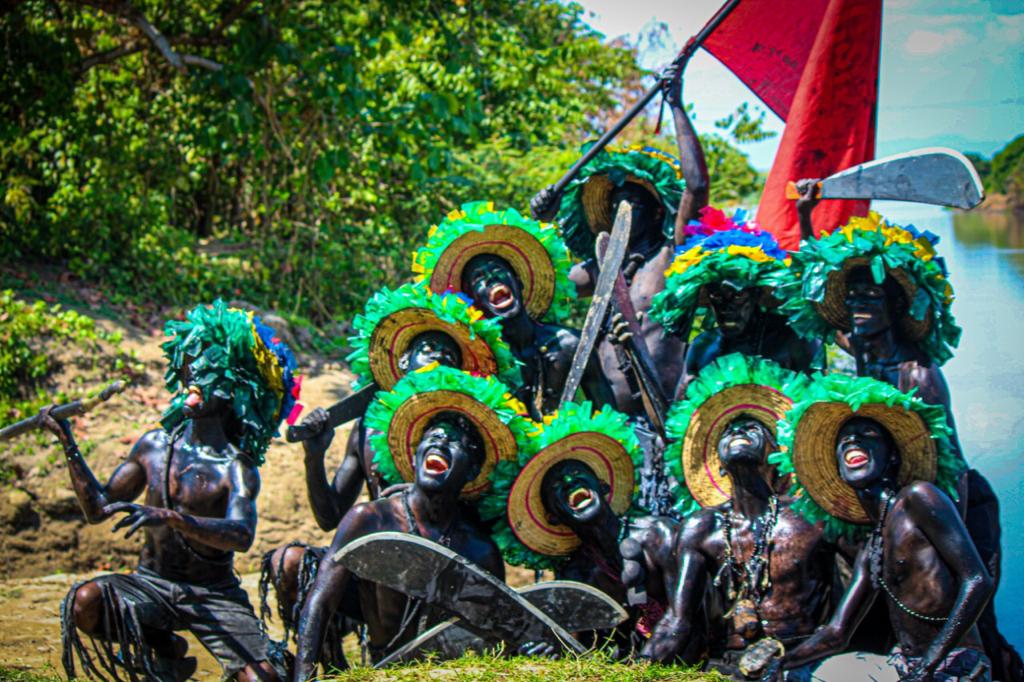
(30, 624)
(45, 544)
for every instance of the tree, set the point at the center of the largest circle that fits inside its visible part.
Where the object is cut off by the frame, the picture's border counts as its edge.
(289, 153)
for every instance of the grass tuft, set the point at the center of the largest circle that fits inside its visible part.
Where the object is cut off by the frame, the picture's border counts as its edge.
(491, 668)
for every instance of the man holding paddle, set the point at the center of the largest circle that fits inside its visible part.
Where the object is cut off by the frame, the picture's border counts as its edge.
(663, 195)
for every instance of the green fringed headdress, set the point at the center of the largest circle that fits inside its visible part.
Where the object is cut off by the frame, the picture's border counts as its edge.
(807, 446)
(586, 208)
(535, 252)
(732, 386)
(604, 441)
(393, 318)
(720, 249)
(400, 416)
(817, 305)
(231, 354)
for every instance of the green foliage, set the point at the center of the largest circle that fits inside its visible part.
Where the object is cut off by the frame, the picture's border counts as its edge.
(981, 164)
(298, 172)
(1007, 174)
(15, 675)
(1004, 173)
(31, 334)
(301, 150)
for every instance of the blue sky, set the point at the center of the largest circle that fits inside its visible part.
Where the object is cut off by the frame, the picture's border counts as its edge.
(952, 72)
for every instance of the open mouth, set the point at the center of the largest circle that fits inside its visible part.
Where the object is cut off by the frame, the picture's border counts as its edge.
(435, 464)
(500, 297)
(739, 440)
(194, 398)
(580, 499)
(861, 317)
(855, 458)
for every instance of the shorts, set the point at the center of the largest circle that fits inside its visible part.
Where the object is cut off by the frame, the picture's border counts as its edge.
(219, 616)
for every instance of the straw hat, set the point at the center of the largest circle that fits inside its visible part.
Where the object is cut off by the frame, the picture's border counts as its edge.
(596, 197)
(604, 441)
(731, 387)
(586, 208)
(394, 318)
(816, 305)
(814, 455)
(533, 250)
(833, 306)
(807, 445)
(401, 416)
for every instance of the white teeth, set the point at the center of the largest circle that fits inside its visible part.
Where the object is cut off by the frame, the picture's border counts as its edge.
(436, 464)
(855, 457)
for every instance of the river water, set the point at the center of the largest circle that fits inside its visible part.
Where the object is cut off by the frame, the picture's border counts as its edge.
(985, 256)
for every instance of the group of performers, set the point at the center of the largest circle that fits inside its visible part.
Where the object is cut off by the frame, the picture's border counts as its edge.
(749, 506)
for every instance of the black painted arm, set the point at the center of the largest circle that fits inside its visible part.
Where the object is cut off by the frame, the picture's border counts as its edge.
(938, 518)
(691, 158)
(676, 626)
(836, 634)
(126, 483)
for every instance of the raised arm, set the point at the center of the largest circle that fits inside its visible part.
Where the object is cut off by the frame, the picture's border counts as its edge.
(809, 198)
(691, 153)
(835, 635)
(126, 483)
(329, 502)
(676, 627)
(938, 518)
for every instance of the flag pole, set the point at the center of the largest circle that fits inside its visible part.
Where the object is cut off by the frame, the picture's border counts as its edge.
(691, 46)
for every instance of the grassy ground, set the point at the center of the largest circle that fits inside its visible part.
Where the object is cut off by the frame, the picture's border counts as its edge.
(487, 669)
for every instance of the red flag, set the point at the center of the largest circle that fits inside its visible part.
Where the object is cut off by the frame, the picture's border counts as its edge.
(815, 64)
(766, 44)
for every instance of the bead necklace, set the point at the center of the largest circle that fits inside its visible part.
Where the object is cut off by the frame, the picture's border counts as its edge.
(754, 576)
(876, 550)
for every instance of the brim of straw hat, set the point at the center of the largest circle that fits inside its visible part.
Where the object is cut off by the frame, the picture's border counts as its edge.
(526, 256)
(530, 521)
(700, 461)
(814, 456)
(392, 337)
(596, 197)
(833, 306)
(413, 416)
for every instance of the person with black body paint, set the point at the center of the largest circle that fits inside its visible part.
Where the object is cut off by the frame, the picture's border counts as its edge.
(443, 431)
(886, 463)
(233, 383)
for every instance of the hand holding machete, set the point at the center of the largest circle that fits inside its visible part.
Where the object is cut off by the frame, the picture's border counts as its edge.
(933, 175)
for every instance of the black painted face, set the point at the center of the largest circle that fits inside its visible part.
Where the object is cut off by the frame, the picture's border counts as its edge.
(573, 494)
(647, 212)
(449, 455)
(865, 453)
(868, 303)
(733, 307)
(431, 347)
(493, 286)
(197, 404)
(744, 441)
